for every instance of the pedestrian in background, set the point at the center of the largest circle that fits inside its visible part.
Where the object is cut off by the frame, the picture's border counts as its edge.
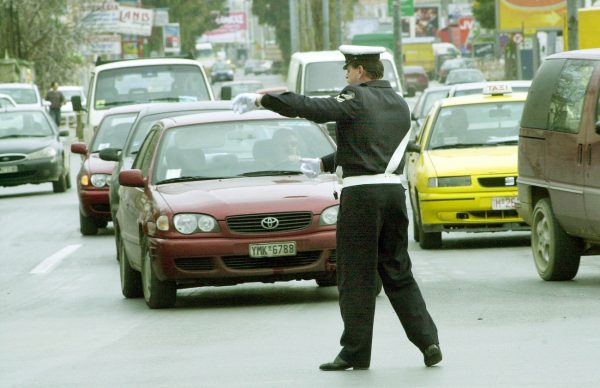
(372, 228)
(57, 100)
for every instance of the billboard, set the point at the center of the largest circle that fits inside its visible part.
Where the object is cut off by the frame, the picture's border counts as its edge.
(517, 15)
(172, 38)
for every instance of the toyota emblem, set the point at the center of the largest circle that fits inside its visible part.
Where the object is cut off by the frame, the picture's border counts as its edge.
(269, 222)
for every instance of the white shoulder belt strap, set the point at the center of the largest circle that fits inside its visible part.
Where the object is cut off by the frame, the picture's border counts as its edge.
(387, 177)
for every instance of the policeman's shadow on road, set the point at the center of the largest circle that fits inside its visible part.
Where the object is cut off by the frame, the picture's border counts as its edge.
(250, 295)
(485, 240)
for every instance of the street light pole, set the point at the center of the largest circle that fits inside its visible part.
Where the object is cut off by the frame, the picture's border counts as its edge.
(325, 24)
(294, 44)
(398, 40)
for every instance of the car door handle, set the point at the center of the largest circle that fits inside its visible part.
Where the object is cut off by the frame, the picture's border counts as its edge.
(579, 153)
(589, 154)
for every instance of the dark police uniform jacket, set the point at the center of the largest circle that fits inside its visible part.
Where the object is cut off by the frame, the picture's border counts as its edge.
(372, 119)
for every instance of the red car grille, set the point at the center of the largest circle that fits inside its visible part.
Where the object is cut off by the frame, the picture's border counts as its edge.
(247, 262)
(195, 263)
(266, 223)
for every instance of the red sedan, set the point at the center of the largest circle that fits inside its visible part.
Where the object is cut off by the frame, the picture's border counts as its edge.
(219, 199)
(94, 176)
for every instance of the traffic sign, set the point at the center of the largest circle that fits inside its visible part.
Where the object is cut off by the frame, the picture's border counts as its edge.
(517, 38)
(407, 7)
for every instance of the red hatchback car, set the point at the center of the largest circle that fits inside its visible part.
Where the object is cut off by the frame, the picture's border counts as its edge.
(219, 199)
(94, 176)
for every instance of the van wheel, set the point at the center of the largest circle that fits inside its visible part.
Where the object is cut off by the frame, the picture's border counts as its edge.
(87, 226)
(555, 253)
(158, 294)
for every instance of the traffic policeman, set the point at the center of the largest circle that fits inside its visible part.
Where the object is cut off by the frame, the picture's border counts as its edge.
(371, 121)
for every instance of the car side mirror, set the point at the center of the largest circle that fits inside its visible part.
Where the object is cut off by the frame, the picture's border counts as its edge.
(598, 127)
(79, 148)
(76, 102)
(412, 146)
(131, 178)
(110, 154)
(226, 93)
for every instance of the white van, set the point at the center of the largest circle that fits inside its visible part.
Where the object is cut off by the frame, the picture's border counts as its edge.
(321, 74)
(139, 81)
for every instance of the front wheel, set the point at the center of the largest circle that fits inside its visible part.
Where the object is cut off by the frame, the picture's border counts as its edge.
(60, 186)
(555, 253)
(426, 240)
(87, 225)
(158, 294)
(131, 280)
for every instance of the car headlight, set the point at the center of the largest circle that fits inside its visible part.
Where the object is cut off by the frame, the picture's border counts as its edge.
(190, 223)
(100, 180)
(329, 215)
(48, 152)
(449, 181)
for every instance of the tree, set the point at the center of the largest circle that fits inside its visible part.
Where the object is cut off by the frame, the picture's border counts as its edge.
(43, 32)
(484, 11)
(194, 17)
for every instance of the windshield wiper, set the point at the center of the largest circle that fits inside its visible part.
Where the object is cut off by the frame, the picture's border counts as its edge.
(271, 172)
(459, 145)
(191, 178)
(14, 136)
(169, 99)
(504, 142)
(115, 103)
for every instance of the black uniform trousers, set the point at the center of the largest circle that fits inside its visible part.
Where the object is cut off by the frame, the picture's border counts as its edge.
(372, 237)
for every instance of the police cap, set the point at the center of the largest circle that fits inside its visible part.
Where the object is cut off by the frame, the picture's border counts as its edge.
(359, 54)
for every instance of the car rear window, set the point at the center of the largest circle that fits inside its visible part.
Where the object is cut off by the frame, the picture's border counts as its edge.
(535, 113)
(113, 131)
(21, 95)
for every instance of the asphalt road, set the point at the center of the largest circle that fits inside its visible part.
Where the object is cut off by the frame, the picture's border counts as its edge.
(64, 322)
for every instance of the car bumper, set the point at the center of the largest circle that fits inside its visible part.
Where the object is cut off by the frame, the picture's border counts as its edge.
(33, 171)
(95, 204)
(468, 212)
(224, 261)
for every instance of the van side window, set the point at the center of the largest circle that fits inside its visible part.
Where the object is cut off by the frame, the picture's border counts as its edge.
(299, 79)
(566, 104)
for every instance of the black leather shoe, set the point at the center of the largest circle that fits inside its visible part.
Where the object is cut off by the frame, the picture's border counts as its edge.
(432, 355)
(339, 364)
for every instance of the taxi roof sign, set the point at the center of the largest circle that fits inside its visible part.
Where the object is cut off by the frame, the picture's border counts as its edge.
(497, 89)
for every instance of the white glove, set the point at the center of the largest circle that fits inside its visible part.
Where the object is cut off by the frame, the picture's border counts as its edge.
(245, 102)
(310, 167)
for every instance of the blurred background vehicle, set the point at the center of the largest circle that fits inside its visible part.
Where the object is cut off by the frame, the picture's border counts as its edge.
(222, 71)
(67, 117)
(423, 105)
(249, 66)
(231, 89)
(454, 63)
(460, 76)
(416, 79)
(26, 95)
(32, 150)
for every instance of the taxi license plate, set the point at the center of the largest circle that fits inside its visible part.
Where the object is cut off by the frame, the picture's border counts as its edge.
(503, 203)
(286, 248)
(8, 169)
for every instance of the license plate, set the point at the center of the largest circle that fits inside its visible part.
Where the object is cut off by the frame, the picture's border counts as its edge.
(286, 248)
(8, 169)
(503, 203)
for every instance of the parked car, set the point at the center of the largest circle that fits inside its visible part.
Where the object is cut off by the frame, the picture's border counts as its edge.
(454, 63)
(148, 114)
(517, 86)
(31, 149)
(231, 89)
(67, 116)
(222, 71)
(249, 66)
(263, 66)
(95, 174)
(423, 105)
(461, 76)
(559, 163)
(25, 95)
(6, 100)
(139, 81)
(207, 203)
(462, 169)
(416, 79)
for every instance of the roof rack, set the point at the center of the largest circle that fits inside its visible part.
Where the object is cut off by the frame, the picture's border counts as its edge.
(100, 61)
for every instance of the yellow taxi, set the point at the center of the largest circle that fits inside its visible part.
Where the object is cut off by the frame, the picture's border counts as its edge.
(462, 167)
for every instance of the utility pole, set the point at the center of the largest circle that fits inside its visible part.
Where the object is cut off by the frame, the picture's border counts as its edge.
(573, 42)
(294, 42)
(338, 18)
(398, 39)
(326, 25)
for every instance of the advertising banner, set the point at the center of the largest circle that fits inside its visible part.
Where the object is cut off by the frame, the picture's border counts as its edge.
(517, 15)
(232, 29)
(105, 44)
(172, 38)
(136, 21)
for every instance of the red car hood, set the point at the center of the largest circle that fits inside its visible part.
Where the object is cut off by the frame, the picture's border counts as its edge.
(251, 195)
(95, 165)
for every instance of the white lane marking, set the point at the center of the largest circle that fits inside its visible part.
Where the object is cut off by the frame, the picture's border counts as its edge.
(52, 261)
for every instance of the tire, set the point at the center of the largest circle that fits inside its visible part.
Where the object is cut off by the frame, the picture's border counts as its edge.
(555, 253)
(427, 240)
(131, 280)
(87, 226)
(157, 294)
(411, 92)
(68, 180)
(60, 186)
(416, 233)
